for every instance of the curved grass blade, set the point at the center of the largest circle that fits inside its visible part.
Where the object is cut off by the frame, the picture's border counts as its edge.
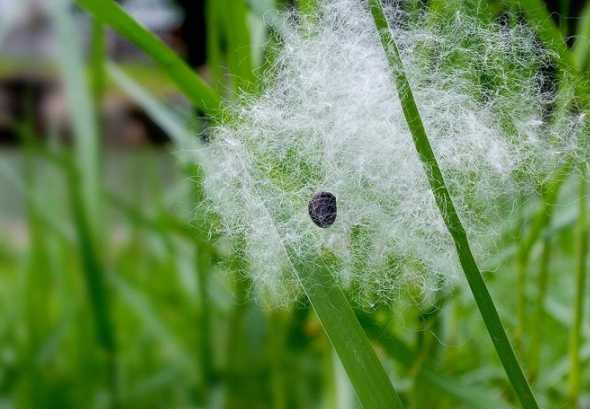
(194, 88)
(449, 214)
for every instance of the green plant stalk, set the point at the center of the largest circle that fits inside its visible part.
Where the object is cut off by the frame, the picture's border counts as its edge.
(564, 12)
(40, 282)
(278, 321)
(84, 184)
(214, 43)
(203, 265)
(581, 49)
(449, 214)
(539, 320)
(237, 34)
(193, 87)
(542, 219)
(578, 311)
(95, 282)
(97, 62)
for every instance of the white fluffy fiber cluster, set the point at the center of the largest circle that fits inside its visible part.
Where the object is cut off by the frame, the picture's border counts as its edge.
(330, 120)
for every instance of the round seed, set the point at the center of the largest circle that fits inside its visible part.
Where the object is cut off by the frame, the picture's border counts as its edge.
(322, 209)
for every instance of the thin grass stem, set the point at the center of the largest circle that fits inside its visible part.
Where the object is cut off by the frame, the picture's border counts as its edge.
(449, 214)
(97, 62)
(578, 310)
(539, 223)
(540, 314)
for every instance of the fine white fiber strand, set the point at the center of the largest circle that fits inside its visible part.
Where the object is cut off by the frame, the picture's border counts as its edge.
(329, 119)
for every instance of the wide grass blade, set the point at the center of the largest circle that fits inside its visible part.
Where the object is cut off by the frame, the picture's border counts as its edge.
(193, 87)
(449, 214)
(540, 313)
(342, 327)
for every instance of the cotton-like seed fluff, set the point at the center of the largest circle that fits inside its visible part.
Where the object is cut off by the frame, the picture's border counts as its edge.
(329, 120)
(322, 209)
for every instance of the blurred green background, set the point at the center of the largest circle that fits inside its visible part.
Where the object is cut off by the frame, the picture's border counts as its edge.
(114, 289)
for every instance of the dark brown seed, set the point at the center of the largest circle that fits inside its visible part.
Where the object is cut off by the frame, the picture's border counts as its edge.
(322, 209)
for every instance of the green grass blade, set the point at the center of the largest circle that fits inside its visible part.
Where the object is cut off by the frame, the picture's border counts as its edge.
(540, 313)
(194, 88)
(82, 110)
(449, 214)
(239, 55)
(578, 310)
(214, 43)
(97, 62)
(581, 48)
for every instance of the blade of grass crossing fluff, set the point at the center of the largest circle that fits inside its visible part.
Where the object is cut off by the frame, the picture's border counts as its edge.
(194, 88)
(239, 43)
(368, 377)
(443, 199)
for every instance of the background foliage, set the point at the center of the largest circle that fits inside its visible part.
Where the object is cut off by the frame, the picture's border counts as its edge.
(112, 295)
